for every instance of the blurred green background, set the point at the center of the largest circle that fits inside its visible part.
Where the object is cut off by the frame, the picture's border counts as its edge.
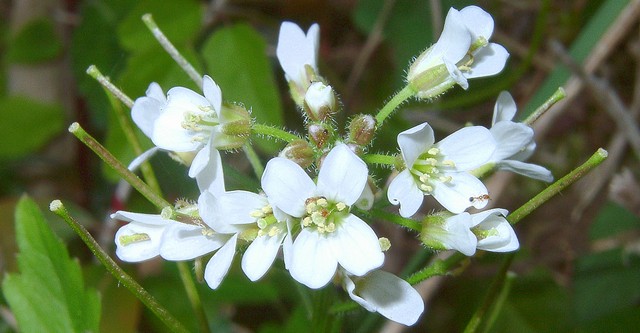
(578, 268)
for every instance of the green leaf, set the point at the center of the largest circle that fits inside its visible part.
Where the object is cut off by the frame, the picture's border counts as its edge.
(27, 125)
(36, 42)
(48, 295)
(236, 59)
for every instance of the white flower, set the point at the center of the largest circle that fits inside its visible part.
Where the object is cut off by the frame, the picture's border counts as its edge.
(297, 53)
(515, 141)
(462, 52)
(265, 226)
(450, 233)
(488, 230)
(140, 239)
(190, 125)
(493, 231)
(440, 169)
(386, 294)
(330, 234)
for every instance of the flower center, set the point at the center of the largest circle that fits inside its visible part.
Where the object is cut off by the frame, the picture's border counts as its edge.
(200, 121)
(322, 215)
(268, 224)
(429, 168)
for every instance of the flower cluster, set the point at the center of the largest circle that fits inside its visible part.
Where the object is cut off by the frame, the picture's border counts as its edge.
(313, 220)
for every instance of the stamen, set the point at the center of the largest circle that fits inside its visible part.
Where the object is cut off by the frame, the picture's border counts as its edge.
(433, 151)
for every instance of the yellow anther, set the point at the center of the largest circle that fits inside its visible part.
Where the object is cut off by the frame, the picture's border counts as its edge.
(207, 232)
(385, 244)
(274, 231)
(433, 151)
(306, 221)
(341, 206)
(311, 206)
(424, 178)
(262, 223)
(449, 163)
(426, 188)
(267, 209)
(431, 161)
(317, 218)
(331, 227)
(322, 202)
(446, 179)
(256, 214)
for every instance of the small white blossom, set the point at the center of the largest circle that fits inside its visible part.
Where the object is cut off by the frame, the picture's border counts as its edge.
(320, 100)
(462, 52)
(441, 169)
(297, 53)
(515, 141)
(330, 234)
(387, 294)
(488, 230)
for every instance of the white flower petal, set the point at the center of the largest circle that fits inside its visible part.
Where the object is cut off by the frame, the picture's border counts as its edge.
(479, 217)
(343, 176)
(511, 138)
(139, 250)
(135, 164)
(479, 22)
(212, 93)
(295, 50)
(219, 264)
(404, 191)
(237, 206)
(527, 169)
(505, 108)
(260, 255)
(391, 296)
(206, 168)
(452, 45)
(312, 261)
(456, 75)
(153, 219)
(356, 246)
(287, 185)
(459, 236)
(210, 211)
(146, 109)
(415, 141)
(182, 241)
(468, 147)
(458, 194)
(487, 61)
(504, 239)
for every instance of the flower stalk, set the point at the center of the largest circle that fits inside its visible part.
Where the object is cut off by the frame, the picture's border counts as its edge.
(95, 73)
(557, 96)
(171, 49)
(395, 101)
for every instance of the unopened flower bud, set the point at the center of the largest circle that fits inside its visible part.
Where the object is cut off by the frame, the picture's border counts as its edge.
(299, 152)
(319, 134)
(319, 101)
(362, 129)
(235, 127)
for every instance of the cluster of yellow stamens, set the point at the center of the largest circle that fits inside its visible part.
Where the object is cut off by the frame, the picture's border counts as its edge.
(267, 223)
(323, 215)
(428, 167)
(200, 120)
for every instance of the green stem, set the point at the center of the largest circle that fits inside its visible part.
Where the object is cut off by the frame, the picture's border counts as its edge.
(274, 132)
(393, 104)
(94, 72)
(122, 170)
(253, 158)
(436, 268)
(125, 279)
(557, 96)
(192, 294)
(496, 288)
(555, 188)
(379, 159)
(384, 215)
(171, 50)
